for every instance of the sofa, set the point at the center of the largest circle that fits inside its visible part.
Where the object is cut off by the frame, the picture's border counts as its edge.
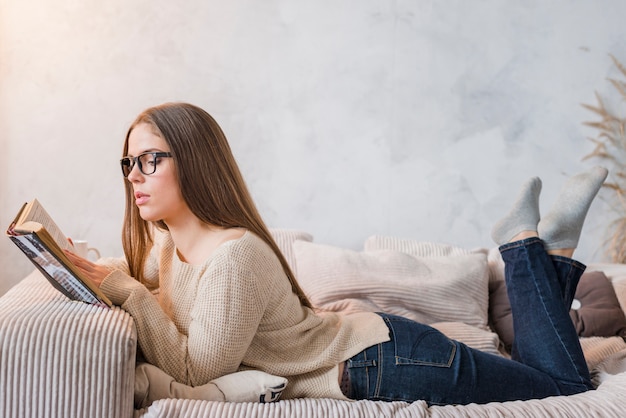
(61, 358)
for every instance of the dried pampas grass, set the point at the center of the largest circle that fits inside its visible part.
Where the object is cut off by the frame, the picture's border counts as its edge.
(610, 148)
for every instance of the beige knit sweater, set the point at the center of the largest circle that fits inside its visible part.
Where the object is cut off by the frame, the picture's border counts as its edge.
(237, 311)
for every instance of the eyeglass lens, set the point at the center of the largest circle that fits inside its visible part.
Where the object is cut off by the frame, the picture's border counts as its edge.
(147, 162)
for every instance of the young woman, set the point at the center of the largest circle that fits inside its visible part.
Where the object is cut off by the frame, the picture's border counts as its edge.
(211, 293)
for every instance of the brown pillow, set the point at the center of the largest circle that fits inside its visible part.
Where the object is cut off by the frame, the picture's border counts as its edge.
(500, 318)
(598, 312)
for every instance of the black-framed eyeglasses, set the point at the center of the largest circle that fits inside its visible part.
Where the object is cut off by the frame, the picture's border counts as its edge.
(147, 162)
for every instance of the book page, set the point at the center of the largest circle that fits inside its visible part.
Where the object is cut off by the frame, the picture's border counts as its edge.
(37, 213)
(56, 272)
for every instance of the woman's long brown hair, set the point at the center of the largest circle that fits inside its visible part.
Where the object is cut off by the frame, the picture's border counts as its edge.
(209, 179)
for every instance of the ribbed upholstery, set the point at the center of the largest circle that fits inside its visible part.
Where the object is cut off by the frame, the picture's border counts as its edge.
(607, 402)
(61, 358)
(300, 408)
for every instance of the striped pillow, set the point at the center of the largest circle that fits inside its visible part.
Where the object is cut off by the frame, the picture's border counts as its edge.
(426, 289)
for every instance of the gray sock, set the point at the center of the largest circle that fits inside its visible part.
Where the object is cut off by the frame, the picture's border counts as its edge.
(523, 216)
(561, 227)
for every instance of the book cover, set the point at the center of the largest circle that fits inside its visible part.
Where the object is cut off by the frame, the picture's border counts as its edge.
(47, 255)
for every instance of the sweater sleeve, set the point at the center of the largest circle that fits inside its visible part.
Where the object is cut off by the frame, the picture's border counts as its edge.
(230, 304)
(224, 315)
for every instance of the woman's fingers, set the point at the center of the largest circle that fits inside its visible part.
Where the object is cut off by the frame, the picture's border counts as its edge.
(96, 272)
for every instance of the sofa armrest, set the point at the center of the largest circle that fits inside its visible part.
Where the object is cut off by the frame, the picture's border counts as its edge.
(63, 358)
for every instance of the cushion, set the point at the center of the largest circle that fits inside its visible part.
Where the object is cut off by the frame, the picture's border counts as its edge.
(425, 289)
(285, 238)
(500, 318)
(434, 249)
(250, 386)
(598, 312)
(480, 339)
(414, 247)
(595, 311)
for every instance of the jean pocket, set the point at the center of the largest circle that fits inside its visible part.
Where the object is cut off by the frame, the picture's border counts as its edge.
(419, 344)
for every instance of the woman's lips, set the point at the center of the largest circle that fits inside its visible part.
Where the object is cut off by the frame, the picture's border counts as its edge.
(141, 198)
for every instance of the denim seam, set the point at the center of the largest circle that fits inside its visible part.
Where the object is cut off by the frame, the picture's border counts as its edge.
(542, 300)
(367, 373)
(413, 362)
(520, 243)
(379, 374)
(355, 364)
(570, 261)
(529, 241)
(409, 361)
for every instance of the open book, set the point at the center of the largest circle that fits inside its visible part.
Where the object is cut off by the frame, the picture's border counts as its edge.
(38, 236)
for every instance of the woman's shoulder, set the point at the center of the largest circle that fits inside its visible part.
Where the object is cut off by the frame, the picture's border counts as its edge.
(249, 248)
(248, 241)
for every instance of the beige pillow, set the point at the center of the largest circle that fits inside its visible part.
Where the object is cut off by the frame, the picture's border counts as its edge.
(425, 289)
(416, 248)
(285, 238)
(435, 249)
(480, 339)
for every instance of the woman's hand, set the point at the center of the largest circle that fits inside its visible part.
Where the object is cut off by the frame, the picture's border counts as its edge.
(96, 272)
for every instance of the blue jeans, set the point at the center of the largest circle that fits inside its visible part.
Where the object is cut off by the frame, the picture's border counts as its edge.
(420, 363)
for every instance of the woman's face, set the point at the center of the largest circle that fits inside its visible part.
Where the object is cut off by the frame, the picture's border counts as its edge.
(157, 195)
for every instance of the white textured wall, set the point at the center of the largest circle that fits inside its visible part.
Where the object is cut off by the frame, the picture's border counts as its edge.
(414, 118)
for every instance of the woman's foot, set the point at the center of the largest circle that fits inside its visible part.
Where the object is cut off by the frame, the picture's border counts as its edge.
(521, 221)
(560, 228)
